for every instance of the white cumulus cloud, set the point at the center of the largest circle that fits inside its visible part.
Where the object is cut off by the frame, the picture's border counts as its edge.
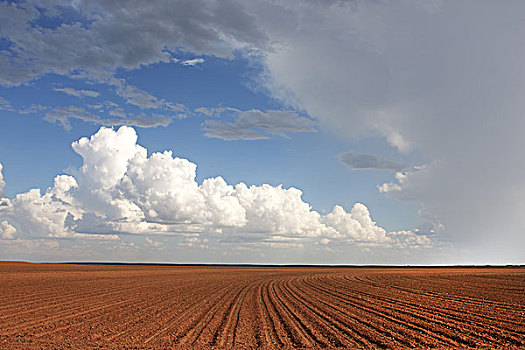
(7, 231)
(119, 189)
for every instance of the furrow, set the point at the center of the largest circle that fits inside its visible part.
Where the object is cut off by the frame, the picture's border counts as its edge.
(441, 318)
(225, 334)
(62, 302)
(64, 315)
(459, 299)
(269, 329)
(207, 323)
(402, 329)
(293, 330)
(174, 320)
(381, 337)
(343, 333)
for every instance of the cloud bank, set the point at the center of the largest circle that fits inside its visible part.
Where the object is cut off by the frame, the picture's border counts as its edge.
(120, 190)
(435, 80)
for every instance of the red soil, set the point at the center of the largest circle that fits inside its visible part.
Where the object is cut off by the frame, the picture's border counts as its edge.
(72, 306)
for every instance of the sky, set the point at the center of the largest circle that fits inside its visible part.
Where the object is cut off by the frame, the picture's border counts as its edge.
(266, 132)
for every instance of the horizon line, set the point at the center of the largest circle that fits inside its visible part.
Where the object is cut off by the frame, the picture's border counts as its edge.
(120, 263)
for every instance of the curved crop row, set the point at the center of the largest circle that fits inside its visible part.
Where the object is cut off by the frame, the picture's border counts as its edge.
(251, 307)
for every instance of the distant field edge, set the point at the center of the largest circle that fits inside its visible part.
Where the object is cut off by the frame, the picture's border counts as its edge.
(262, 265)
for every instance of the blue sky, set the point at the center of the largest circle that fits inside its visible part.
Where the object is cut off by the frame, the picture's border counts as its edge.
(371, 107)
(305, 161)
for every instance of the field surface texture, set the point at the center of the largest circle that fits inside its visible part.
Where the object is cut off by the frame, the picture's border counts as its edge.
(149, 307)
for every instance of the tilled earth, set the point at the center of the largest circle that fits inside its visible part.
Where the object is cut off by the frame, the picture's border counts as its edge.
(46, 306)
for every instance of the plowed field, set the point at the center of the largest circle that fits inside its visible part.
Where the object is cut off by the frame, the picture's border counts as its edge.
(73, 306)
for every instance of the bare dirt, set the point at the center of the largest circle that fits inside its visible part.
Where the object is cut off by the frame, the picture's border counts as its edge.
(46, 306)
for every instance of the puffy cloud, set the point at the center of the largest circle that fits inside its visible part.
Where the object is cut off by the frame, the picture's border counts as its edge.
(278, 211)
(119, 189)
(165, 190)
(356, 225)
(357, 161)
(7, 231)
(37, 215)
(395, 186)
(77, 93)
(106, 155)
(254, 124)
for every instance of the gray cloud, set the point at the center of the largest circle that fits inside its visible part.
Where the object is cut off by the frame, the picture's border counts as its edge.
(357, 161)
(132, 95)
(442, 79)
(142, 99)
(62, 115)
(255, 124)
(106, 35)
